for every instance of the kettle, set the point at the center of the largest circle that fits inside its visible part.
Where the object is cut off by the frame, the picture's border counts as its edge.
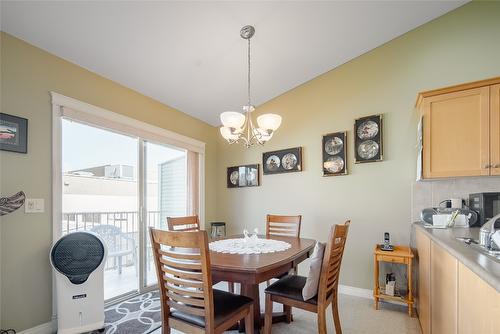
(487, 231)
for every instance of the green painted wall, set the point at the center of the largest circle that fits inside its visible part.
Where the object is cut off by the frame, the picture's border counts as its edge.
(462, 46)
(27, 76)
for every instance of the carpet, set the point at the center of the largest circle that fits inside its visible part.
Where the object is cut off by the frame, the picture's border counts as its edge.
(137, 315)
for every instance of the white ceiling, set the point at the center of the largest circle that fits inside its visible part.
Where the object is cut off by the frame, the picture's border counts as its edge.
(189, 55)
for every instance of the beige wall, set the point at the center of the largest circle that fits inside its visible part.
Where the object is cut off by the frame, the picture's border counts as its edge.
(27, 76)
(461, 46)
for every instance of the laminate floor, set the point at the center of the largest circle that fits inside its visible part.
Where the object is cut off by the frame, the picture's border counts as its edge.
(357, 316)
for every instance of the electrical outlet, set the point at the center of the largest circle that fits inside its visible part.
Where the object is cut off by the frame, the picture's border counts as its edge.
(34, 205)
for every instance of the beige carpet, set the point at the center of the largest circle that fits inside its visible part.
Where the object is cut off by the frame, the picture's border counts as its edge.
(357, 316)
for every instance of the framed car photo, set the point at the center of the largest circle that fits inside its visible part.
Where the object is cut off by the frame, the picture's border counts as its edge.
(13, 133)
(368, 142)
(282, 161)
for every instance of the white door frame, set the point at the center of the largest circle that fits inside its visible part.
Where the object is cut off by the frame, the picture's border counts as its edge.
(67, 107)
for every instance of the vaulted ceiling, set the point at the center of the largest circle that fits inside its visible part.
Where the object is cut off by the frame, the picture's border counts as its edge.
(189, 55)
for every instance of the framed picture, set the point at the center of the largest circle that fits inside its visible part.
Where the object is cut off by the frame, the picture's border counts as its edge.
(13, 133)
(368, 142)
(334, 154)
(283, 161)
(243, 176)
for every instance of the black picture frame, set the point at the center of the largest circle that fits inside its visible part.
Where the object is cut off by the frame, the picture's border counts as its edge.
(243, 174)
(368, 144)
(13, 133)
(334, 153)
(277, 167)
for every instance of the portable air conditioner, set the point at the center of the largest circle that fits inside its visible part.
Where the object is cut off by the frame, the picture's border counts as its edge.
(78, 260)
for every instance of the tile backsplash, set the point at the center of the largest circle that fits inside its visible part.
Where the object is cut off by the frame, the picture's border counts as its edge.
(426, 194)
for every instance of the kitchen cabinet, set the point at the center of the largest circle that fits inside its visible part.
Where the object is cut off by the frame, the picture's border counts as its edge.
(444, 280)
(461, 126)
(450, 297)
(424, 281)
(477, 302)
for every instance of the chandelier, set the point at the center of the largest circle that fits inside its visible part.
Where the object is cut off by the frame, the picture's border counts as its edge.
(238, 127)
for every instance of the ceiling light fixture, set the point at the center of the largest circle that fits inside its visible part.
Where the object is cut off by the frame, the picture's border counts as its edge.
(238, 127)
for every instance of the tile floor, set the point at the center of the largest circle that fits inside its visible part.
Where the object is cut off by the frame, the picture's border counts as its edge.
(357, 316)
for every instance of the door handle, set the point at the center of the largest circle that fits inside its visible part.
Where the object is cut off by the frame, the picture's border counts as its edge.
(487, 166)
(496, 166)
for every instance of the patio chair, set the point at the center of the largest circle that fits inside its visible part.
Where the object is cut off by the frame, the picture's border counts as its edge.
(119, 244)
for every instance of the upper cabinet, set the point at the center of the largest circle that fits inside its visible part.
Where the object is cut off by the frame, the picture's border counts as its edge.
(461, 130)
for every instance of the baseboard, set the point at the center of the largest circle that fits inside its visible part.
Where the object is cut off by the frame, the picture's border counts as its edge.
(363, 293)
(46, 328)
(357, 292)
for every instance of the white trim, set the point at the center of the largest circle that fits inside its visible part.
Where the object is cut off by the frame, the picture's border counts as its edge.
(46, 328)
(364, 293)
(87, 112)
(67, 107)
(357, 292)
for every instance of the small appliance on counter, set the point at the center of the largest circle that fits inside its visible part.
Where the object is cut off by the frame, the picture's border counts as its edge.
(442, 217)
(487, 205)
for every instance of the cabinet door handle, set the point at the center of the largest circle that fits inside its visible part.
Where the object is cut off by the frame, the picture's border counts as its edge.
(496, 166)
(487, 166)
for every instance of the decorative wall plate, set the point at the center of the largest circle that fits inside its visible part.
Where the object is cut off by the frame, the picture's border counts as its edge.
(368, 143)
(367, 130)
(334, 154)
(273, 163)
(334, 145)
(289, 161)
(368, 149)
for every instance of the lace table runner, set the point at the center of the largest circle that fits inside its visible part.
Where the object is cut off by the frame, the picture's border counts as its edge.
(248, 246)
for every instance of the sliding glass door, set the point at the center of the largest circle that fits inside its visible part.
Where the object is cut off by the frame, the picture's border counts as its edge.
(117, 186)
(166, 193)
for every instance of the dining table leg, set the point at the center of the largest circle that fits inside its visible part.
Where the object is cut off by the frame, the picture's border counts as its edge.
(252, 291)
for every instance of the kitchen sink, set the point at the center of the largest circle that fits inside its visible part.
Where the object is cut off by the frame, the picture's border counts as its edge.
(474, 244)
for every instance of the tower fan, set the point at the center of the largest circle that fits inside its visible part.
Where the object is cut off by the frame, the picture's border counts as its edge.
(78, 260)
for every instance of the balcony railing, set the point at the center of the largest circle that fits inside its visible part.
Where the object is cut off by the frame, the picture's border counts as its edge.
(126, 222)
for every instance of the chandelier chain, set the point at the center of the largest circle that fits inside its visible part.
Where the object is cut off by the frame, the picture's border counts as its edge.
(249, 104)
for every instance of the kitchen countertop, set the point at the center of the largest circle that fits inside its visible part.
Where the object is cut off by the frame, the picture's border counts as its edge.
(482, 265)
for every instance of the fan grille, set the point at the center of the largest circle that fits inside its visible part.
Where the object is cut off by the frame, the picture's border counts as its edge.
(77, 255)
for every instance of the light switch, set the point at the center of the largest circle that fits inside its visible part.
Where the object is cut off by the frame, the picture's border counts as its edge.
(34, 205)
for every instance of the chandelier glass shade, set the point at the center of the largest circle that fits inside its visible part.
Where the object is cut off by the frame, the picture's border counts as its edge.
(238, 127)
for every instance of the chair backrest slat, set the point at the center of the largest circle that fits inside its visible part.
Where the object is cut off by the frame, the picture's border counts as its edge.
(183, 224)
(183, 268)
(288, 226)
(332, 260)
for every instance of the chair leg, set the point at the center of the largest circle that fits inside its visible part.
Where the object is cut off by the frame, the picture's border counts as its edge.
(288, 313)
(249, 323)
(268, 318)
(336, 317)
(321, 321)
(230, 287)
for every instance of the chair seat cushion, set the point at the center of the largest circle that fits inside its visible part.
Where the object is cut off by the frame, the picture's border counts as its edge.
(225, 305)
(291, 287)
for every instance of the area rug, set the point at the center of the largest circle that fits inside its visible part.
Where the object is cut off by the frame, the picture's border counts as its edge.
(138, 315)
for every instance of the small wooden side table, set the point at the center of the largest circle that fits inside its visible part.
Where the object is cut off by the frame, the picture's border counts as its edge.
(400, 254)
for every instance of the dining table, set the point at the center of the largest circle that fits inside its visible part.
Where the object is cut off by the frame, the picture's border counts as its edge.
(249, 270)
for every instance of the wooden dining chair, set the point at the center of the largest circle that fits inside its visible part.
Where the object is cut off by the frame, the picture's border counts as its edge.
(288, 290)
(188, 301)
(286, 226)
(188, 224)
(183, 224)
